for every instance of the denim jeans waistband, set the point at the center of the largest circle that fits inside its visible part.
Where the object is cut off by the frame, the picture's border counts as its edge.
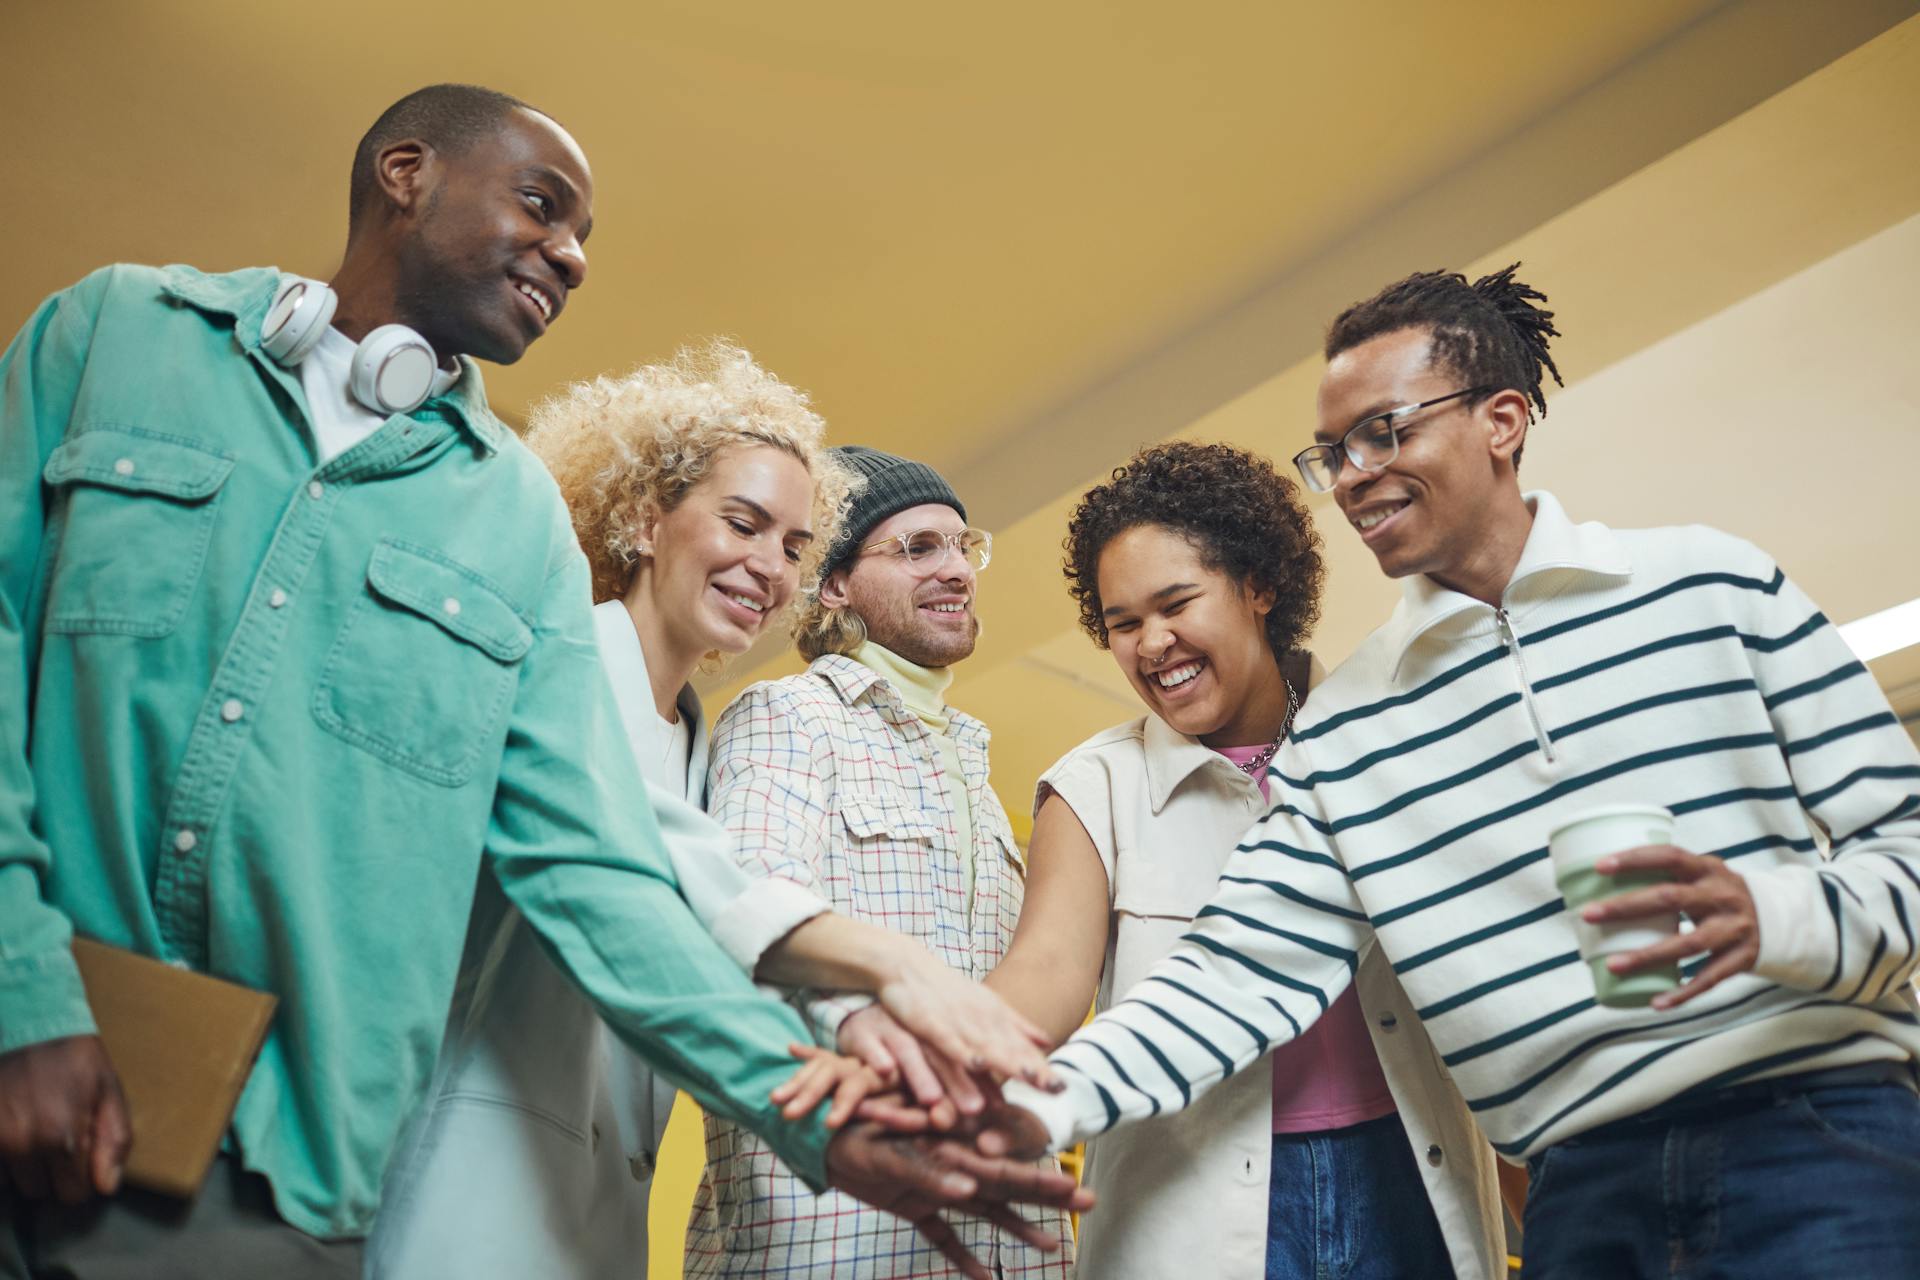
(1700, 1103)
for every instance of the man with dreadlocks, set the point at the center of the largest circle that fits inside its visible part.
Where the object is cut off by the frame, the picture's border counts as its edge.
(1759, 1119)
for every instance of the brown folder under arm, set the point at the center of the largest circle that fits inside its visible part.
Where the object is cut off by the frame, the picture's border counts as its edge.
(183, 1044)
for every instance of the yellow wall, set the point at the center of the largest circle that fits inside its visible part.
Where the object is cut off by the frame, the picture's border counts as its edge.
(681, 1157)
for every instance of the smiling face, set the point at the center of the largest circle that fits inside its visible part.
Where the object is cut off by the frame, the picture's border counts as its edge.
(924, 613)
(1190, 640)
(727, 558)
(496, 249)
(1423, 512)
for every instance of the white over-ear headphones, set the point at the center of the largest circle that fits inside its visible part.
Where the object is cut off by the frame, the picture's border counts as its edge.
(393, 367)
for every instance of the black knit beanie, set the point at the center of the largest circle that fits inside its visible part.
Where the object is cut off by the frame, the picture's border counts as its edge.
(893, 485)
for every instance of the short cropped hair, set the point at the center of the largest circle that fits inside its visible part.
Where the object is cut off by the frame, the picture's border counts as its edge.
(447, 117)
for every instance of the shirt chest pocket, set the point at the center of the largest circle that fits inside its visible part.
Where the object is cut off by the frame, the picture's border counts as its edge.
(1157, 882)
(889, 843)
(424, 668)
(1170, 867)
(1162, 877)
(136, 516)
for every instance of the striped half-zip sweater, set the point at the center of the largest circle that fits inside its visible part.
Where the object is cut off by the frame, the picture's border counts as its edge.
(1676, 667)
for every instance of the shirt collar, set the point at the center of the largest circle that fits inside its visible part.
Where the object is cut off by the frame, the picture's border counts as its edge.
(1554, 545)
(1173, 757)
(855, 681)
(850, 679)
(244, 296)
(626, 667)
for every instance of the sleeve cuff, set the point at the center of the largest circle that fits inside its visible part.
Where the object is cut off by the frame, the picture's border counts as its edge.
(762, 914)
(1796, 932)
(827, 1013)
(802, 1145)
(1055, 1110)
(41, 999)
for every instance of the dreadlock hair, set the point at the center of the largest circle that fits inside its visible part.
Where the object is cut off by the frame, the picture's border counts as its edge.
(447, 117)
(1491, 332)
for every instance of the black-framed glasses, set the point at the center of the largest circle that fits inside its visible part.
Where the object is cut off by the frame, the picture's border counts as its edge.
(926, 548)
(1370, 444)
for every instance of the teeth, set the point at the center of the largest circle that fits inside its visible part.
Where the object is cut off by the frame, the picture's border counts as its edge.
(754, 605)
(1178, 675)
(948, 608)
(1373, 518)
(539, 298)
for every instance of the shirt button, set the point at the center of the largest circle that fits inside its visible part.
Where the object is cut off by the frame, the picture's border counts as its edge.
(277, 599)
(1388, 1022)
(124, 467)
(452, 605)
(184, 841)
(1435, 1156)
(232, 710)
(316, 490)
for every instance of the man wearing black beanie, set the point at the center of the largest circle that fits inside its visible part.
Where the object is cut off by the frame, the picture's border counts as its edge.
(856, 779)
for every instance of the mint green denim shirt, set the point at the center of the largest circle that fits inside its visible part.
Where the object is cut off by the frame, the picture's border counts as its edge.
(268, 720)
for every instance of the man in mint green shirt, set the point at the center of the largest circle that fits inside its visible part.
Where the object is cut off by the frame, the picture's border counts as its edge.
(271, 710)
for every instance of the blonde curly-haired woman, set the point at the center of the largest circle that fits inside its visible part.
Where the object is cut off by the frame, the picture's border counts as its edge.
(701, 494)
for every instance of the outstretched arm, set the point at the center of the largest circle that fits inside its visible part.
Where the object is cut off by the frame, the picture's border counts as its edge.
(1278, 944)
(590, 871)
(1052, 967)
(964, 1022)
(769, 785)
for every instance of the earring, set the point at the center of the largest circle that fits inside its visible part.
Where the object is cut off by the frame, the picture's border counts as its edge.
(642, 549)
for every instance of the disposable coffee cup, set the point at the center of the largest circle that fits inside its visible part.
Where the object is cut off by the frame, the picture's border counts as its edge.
(1575, 845)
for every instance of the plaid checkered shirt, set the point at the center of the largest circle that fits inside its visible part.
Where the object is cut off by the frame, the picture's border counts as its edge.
(831, 782)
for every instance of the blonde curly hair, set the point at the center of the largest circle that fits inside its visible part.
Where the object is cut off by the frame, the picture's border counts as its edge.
(624, 447)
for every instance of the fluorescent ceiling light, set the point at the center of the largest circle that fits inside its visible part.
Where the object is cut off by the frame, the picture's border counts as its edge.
(1879, 634)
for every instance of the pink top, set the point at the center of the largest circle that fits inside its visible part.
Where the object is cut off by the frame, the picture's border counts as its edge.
(1330, 1077)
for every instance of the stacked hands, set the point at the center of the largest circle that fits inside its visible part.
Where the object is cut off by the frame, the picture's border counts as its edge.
(919, 1082)
(918, 1115)
(919, 1072)
(920, 1124)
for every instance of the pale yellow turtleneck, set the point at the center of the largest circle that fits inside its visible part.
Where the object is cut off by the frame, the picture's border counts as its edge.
(924, 690)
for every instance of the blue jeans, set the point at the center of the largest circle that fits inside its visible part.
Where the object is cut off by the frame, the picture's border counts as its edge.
(1776, 1181)
(1348, 1204)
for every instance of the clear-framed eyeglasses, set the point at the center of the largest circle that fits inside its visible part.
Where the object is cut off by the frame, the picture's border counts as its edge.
(1370, 444)
(928, 548)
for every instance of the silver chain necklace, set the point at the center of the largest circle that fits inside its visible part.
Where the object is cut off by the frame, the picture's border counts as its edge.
(1253, 767)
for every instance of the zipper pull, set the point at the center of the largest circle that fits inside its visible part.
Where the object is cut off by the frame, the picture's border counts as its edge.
(1512, 642)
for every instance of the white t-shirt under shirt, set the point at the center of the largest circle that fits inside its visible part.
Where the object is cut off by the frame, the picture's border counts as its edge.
(676, 748)
(339, 421)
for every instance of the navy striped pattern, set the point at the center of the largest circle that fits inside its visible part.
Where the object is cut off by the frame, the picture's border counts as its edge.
(1413, 808)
